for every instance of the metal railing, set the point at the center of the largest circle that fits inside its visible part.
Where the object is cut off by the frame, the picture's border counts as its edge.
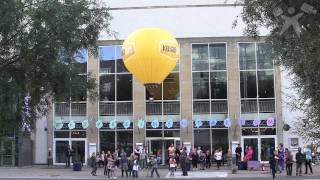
(265, 105)
(154, 108)
(77, 109)
(169, 108)
(106, 108)
(219, 106)
(249, 106)
(124, 108)
(201, 107)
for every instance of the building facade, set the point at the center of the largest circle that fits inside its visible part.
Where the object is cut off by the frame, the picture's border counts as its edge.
(225, 90)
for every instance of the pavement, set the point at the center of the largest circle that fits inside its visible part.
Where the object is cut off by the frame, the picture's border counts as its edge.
(59, 172)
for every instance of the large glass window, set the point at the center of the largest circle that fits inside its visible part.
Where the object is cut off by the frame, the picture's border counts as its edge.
(256, 78)
(209, 84)
(124, 87)
(107, 87)
(107, 141)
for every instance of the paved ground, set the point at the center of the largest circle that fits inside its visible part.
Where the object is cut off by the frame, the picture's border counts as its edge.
(56, 172)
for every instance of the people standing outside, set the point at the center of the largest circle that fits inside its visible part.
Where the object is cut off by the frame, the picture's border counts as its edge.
(308, 154)
(93, 164)
(177, 156)
(218, 157)
(202, 160)
(281, 153)
(68, 156)
(143, 159)
(137, 152)
(154, 166)
(130, 164)
(289, 162)
(249, 154)
(172, 165)
(299, 160)
(135, 167)
(208, 159)
(124, 163)
(273, 165)
(229, 157)
(105, 163)
(238, 152)
(110, 165)
(195, 159)
(183, 161)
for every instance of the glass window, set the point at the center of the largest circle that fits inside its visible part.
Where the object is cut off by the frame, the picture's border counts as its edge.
(200, 56)
(81, 59)
(248, 84)
(217, 57)
(79, 93)
(247, 56)
(154, 133)
(107, 59)
(200, 85)
(218, 82)
(171, 87)
(125, 141)
(265, 84)
(124, 87)
(155, 93)
(220, 139)
(264, 56)
(267, 146)
(120, 65)
(107, 141)
(61, 134)
(201, 138)
(61, 147)
(107, 87)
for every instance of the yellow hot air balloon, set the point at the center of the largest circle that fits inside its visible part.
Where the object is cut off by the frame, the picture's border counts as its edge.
(150, 54)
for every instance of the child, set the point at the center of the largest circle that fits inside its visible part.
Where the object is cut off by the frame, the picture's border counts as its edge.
(135, 167)
(172, 164)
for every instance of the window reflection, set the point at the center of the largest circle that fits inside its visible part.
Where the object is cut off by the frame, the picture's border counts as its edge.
(218, 85)
(107, 141)
(171, 87)
(266, 84)
(247, 56)
(107, 87)
(248, 84)
(218, 57)
(200, 85)
(124, 87)
(200, 57)
(264, 56)
(107, 59)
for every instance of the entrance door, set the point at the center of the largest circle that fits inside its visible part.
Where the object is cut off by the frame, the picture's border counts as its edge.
(78, 147)
(78, 151)
(160, 147)
(262, 146)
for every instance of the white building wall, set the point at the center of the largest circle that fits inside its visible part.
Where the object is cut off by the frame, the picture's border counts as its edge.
(40, 143)
(201, 18)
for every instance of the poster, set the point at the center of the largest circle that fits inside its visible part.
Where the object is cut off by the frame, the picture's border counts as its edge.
(234, 145)
(92, 148)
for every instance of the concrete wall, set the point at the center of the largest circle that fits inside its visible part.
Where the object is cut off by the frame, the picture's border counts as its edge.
(40, 142)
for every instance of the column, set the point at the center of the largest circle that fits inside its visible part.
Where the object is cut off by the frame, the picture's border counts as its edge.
(186, 134)
(139, 110)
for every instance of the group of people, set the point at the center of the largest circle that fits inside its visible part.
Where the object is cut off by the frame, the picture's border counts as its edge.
(204, 159)
(283, 158)
(129, 165)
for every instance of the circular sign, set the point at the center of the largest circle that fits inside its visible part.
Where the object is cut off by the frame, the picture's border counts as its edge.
(198, 123)
(85, 124)
(270, 121)
(113, 124)
(227, 122)
(212, 122)
(242, 121)
(59, 124)
(184, 123)
(126, 124)
(169, 123)
(155, 123)
(71, 124)
(141, 124)
(256, 121)
(99, 124)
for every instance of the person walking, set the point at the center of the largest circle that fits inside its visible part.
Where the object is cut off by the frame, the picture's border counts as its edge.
(218, 157)
(124, 163)
(195, 159)
(154, 166)
(68, 156)
(289, 162)
(93, 164)
(299, 160)
(105, 164)
(130, 164)
(172, 165)
(281, 154)
(273, 164)
(308, 157)
(143, 159)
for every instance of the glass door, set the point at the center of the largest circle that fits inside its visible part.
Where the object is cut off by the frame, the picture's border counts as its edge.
(267, 146)
(60, 149)
(78, 151)
(251, 143)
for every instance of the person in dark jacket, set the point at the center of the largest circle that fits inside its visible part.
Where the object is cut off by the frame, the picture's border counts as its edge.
(299, 161)
(93, 164)
(183, 161)
(68, 156)
(195, 159)
(289, 162)
(273, 164)
(238, 152)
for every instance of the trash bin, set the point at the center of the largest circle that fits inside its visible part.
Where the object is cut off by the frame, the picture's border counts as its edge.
(242, 165)
(77, 166)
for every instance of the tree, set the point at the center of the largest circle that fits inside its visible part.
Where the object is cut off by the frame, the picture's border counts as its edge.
(295, 27)
(38, 39)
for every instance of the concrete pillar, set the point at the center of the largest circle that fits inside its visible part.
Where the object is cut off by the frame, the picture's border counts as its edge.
(279, 120)
(186, 134)
(92, 104)
(50, 131)
(233, 90)
(139, 110)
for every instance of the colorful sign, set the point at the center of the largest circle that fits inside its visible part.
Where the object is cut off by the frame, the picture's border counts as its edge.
(71, 125)
(141, 124)
(227, 122)
(155, 123)
(169, 123)
(85, 124)
(113, 124)
(126, 124)
(99, 124)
